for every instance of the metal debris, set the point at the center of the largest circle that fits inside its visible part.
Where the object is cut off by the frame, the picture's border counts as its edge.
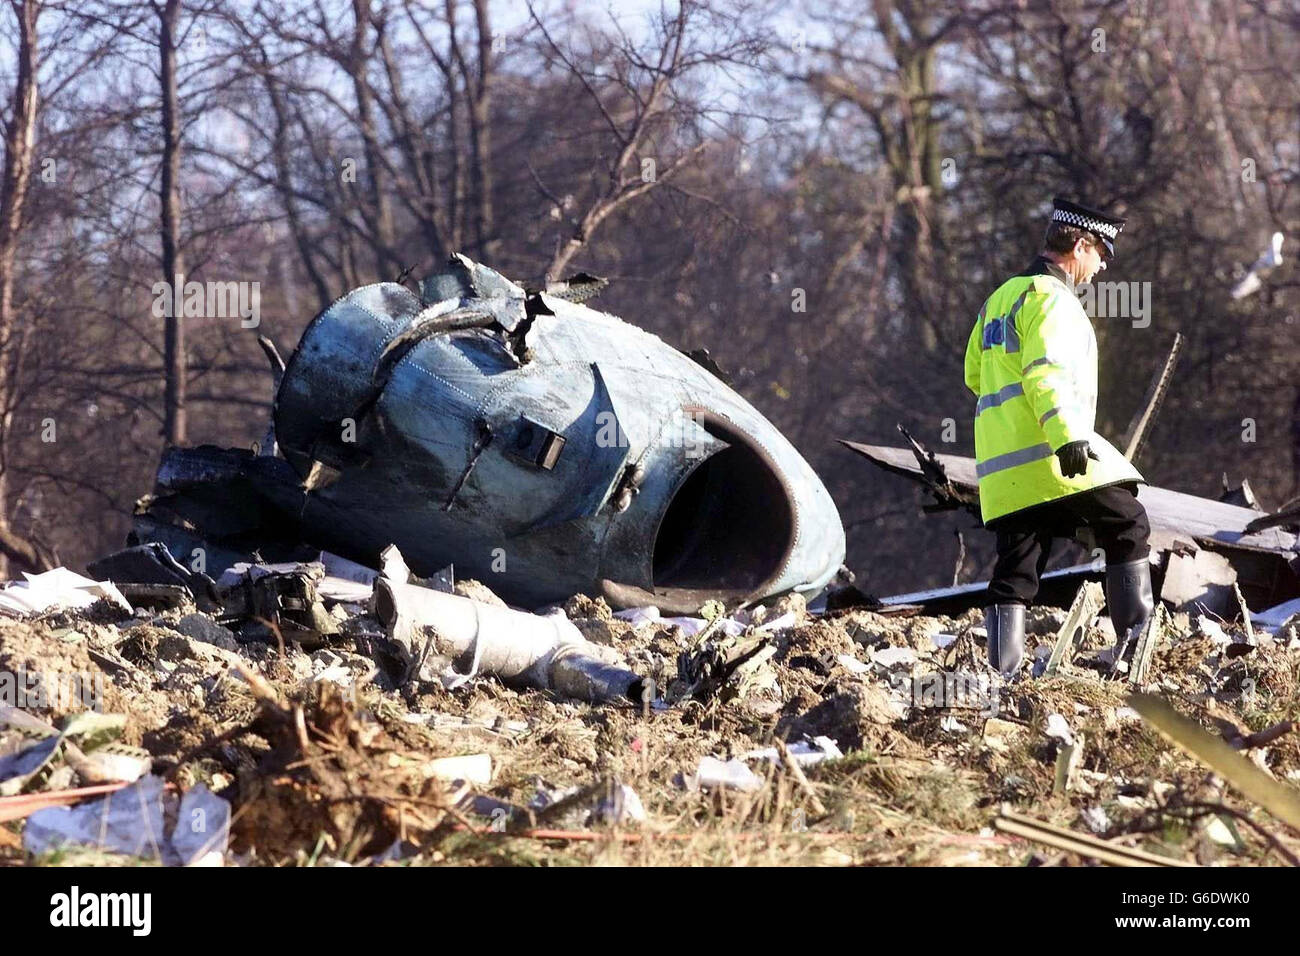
(1260, 556)
(504, 431)
(1152, 634)
(1069, 758)
(149, 573)
(1146, 413)
(466, 637)
(1087, 605)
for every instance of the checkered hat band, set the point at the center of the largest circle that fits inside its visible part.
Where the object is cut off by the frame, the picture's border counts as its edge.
(1083, 222)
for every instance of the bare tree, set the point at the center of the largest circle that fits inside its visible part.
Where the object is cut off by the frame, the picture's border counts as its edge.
(646, 107)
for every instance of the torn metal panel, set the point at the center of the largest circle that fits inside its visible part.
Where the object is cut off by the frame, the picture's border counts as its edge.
(152, 566)
(1055, 588)
(1173, 514)
(213, 506)
(1199, 578)
(1087, 605)
(1272, 618)
(1241, 494)
(186, 545)
(1264, 560)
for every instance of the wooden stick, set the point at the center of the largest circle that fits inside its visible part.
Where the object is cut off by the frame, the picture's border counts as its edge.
(796, 772)
(1080, 843)
(24, 804)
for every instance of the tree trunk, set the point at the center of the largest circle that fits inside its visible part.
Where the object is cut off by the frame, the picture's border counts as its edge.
(169, 192)
(380, 220)
(20, 137)
(481, 132)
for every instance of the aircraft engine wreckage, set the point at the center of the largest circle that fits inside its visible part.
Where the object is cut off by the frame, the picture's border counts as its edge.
(536, 444)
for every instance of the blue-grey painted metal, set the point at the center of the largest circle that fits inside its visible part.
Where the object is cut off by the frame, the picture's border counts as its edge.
(545, 448)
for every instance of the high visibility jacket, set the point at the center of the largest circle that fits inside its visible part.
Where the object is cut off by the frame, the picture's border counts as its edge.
(1032, 363)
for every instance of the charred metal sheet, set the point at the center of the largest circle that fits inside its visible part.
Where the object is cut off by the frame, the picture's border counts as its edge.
(150, 571)
(282, 597)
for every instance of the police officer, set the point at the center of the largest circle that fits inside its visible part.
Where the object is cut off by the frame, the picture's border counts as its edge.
(1043, 471)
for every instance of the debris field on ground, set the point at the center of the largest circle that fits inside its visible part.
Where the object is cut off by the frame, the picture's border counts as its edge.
(323, 734)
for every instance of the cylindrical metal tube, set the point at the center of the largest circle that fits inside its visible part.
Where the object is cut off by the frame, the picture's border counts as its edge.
(518, 647)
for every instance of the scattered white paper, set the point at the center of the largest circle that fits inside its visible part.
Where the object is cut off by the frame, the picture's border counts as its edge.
(1059, 727)
(805, 753)
(731, 774)
(54, 589)
(893, 656)
(852, 664)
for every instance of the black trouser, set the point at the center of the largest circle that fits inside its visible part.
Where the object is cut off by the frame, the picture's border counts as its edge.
(1116, 517)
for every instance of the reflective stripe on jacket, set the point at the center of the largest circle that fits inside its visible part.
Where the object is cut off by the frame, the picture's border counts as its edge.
(1031, 362)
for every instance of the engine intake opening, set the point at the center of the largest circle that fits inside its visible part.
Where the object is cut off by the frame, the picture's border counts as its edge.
(730, 526)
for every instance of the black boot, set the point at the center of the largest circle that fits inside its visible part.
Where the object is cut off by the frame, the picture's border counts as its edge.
(1005, 624)
(1130, 603)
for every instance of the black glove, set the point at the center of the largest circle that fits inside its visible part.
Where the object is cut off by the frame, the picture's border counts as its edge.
(1074, 458)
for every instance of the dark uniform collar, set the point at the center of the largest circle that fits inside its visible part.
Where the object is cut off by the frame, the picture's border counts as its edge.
(1045, 266)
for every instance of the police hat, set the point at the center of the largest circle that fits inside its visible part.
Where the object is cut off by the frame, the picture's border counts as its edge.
(1101, 225)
